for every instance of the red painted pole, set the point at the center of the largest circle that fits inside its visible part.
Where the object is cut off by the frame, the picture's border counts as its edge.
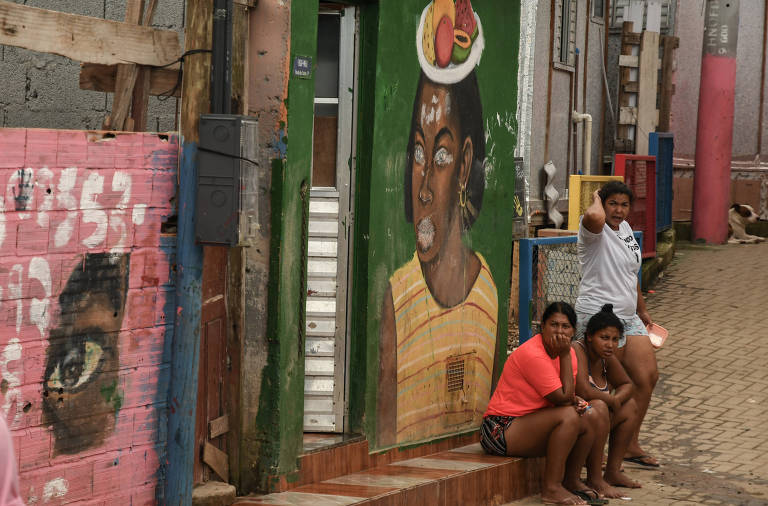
(714, 133)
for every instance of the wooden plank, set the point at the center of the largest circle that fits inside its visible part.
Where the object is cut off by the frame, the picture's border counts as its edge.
(624, 145)
(236, 305)
(632, 87)
(126, 76)
(198, 32)
(631, 38)
(646, 96)
(196, 81)
(98, 77)
(622, 131)
(667, 88)
(140, 98)
(626, 60)
(240, 37)
(218, 426)
(217, 460)
(84, 38)
(627, 115)
(514, 290)
(555, 232)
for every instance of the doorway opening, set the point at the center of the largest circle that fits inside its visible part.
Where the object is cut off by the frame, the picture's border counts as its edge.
(329, 252)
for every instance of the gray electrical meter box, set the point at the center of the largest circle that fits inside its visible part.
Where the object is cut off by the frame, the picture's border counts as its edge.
(227, 201)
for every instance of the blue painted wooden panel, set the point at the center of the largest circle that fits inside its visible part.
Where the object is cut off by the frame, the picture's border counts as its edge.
(185, 350)
(661, 145)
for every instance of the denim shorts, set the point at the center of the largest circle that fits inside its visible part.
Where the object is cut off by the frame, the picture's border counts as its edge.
(632, 327)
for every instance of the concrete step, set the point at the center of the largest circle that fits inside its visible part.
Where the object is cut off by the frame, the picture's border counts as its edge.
(463, 476)
(213, 493)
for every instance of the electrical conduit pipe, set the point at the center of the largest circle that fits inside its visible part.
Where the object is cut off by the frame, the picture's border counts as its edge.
(587, 152)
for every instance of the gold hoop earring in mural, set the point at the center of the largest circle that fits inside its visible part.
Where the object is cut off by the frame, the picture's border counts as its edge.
(439, 316)
(81, 392)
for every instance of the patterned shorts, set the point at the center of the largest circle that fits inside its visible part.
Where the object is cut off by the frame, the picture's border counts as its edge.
(492, 434)
(632, 327)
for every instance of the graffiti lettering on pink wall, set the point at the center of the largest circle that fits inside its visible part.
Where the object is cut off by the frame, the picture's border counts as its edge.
(85, 278)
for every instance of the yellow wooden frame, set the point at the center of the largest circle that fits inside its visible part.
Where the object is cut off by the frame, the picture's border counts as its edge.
(580, 195)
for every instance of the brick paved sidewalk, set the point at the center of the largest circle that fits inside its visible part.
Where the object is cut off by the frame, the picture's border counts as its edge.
(708, 421)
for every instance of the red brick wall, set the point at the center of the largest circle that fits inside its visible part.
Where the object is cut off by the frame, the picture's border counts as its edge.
(86, 305)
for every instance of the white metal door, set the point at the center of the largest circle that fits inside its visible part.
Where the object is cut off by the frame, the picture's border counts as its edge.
(330, 224)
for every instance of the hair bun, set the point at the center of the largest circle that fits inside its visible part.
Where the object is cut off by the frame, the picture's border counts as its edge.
(607, 308)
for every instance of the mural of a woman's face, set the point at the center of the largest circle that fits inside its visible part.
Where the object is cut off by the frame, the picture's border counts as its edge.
(440, 161)
(81, 395)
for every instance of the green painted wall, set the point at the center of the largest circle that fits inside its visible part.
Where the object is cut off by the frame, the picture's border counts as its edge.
(366, 114)
(388, 239)
(384, 240)
(279, 424)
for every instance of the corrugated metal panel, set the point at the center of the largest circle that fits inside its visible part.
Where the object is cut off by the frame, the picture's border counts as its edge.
(319, 347)
(322, 269)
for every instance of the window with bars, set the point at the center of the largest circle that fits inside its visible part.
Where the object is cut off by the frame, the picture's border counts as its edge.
(565, 32)
(598, 9)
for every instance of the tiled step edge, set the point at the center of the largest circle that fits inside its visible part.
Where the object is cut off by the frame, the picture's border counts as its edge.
(494, 485)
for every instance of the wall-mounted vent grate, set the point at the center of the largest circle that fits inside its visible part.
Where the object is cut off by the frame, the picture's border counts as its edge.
(455, 374)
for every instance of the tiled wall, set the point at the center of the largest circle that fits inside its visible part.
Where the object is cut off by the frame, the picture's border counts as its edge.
(86, 309)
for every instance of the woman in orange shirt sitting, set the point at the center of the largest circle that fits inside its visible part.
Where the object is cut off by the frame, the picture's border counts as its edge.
(534, 410)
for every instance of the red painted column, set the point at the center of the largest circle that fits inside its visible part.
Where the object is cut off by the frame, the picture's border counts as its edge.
(714, 133)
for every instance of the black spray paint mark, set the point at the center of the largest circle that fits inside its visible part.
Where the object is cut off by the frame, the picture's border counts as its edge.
(25, 188)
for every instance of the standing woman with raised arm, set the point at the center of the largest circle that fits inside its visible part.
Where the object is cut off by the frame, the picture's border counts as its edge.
(610, 261)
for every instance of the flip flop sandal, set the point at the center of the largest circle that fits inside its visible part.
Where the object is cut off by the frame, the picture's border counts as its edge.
(564, 501)
(641, 460)
(591, 496)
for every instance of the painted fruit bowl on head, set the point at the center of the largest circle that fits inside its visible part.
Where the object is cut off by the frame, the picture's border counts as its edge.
(449, 40)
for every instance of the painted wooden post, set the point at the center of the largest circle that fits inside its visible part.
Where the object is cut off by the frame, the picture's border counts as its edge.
(186, 340)
(714, 133)
(526, 289)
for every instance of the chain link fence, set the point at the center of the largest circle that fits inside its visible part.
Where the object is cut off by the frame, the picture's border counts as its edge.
(555, 275)
(548, 271)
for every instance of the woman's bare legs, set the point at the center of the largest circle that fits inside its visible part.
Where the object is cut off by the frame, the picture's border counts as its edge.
(552, 432)
(597, 423)
(639, 360)
(622, 431)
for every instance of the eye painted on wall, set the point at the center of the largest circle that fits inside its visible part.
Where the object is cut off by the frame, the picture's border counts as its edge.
(443, 157)
(78, 365)
(418, 154)
(82, 389)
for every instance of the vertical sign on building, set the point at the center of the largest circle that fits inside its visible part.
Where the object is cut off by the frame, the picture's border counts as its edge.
(714, 133)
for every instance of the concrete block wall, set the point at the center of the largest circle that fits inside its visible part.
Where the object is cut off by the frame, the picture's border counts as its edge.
(43, 91)
(86, 311)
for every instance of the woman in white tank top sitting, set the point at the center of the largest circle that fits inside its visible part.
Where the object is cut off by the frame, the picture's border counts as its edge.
(601, 376)
(610, 261)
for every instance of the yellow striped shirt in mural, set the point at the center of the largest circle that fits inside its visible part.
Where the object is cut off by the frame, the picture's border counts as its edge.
(444, 355)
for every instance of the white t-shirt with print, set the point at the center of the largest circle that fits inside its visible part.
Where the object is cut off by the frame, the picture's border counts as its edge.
(609, 262)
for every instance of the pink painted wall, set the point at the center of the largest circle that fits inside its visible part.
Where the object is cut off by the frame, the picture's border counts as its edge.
(86, 304)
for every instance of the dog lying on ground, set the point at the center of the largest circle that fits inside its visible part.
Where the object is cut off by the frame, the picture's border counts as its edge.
(738, 217)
